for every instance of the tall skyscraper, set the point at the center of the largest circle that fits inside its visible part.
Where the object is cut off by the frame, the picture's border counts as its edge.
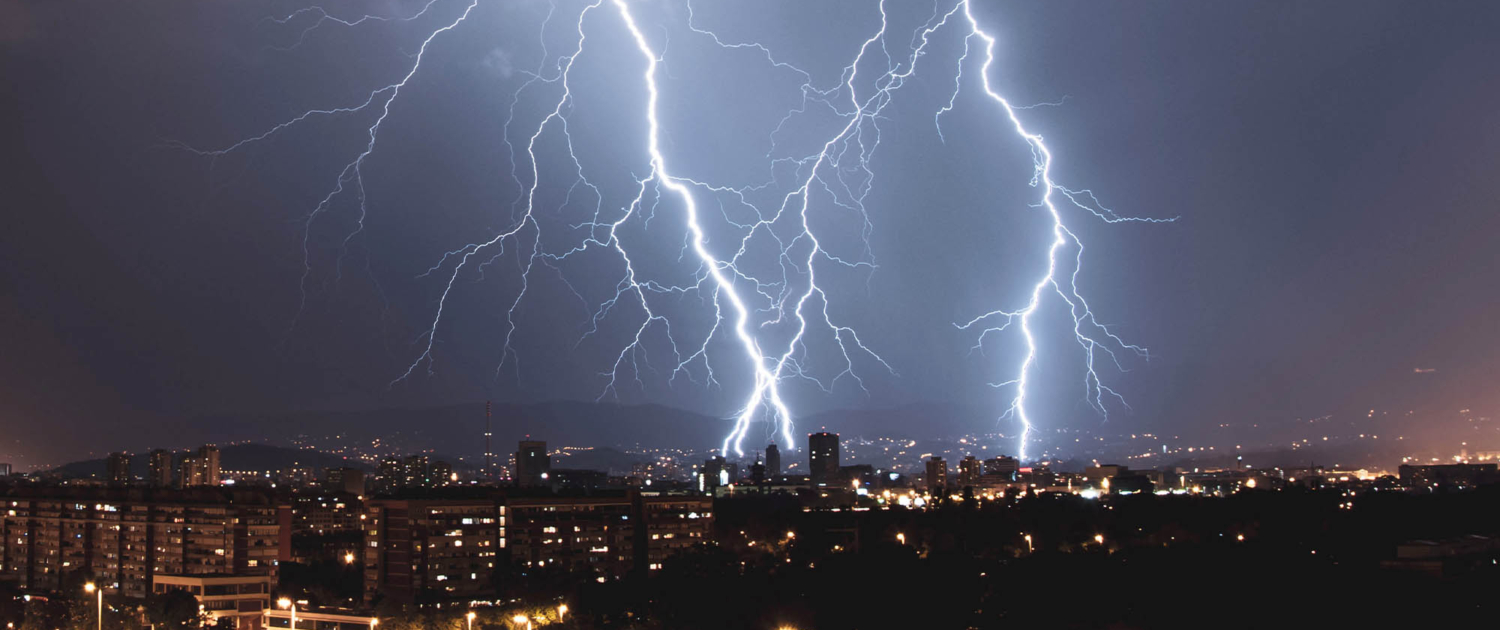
(937, 475)
(160, 468)
(823, 458)
(117, 468)
(532, 463)
(773, 461)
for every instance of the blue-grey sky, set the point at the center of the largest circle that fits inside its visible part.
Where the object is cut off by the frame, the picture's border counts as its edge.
(1332, 167)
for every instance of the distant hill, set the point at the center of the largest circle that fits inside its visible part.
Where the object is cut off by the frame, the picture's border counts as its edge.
(456, 431)
(231, 457)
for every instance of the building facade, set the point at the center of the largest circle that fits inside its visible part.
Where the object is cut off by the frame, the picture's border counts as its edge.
(123, 540)
(435, 550)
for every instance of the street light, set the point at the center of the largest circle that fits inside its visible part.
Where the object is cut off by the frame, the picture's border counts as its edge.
(1099, 538)
(562, 610)
(349, 557)
(470, 617)
(289, 604)
(901, 538)
(1029, 548)
(520, 619)
(90, 588)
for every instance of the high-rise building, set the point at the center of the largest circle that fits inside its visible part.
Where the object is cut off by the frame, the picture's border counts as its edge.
(823, 458)
(969, 471)
(489, 454)
(160, 468)
(937, 475)
(715, 474)
(442, 474)
(347, 480)
(5, 470)
(416, 472)
(201, 469)
(773, 461)
(532, 463)
(117, 468)
(390, 476)
(208, 456)
(189, 473)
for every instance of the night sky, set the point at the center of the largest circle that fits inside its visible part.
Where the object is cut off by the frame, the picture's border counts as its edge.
(1332, 166)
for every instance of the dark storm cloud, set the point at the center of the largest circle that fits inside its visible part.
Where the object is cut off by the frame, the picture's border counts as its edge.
(1332, 164)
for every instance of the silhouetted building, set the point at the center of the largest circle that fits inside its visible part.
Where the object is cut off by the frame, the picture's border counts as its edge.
(862, 474)
(715, 474)
(823, 458)
(757, 472)
(969, 471)
(346, 480)
(1098, 474)
(159, 469)
(1003, 467)
(117, 468)
(937, 475)
(773, 461)
(1449, 474)
(533, 464)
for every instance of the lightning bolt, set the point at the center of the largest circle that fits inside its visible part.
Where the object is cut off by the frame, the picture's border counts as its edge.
(1092, 336)
(768, 314)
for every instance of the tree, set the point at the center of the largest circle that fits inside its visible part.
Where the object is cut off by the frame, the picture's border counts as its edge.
(174, 609)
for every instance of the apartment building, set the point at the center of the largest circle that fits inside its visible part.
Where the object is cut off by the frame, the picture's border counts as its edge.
(122, 539)
(439, 549)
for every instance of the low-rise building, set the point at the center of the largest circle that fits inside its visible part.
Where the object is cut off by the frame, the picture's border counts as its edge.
(236, 601)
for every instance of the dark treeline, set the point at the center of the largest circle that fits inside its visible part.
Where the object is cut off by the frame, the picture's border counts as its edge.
(1293, 558)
